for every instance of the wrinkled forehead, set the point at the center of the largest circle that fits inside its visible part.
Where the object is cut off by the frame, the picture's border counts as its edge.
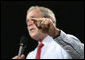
(35, 13)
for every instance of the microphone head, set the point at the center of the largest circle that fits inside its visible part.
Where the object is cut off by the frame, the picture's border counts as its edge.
(23, 41)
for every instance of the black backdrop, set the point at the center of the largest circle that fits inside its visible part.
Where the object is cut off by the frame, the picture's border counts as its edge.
(70, 19)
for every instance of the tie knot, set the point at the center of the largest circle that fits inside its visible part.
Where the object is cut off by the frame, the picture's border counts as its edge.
(41, 44)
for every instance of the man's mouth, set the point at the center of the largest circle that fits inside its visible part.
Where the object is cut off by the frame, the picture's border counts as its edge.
(32, 29)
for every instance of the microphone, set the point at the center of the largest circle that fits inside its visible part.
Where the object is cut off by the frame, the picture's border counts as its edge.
(23, 45)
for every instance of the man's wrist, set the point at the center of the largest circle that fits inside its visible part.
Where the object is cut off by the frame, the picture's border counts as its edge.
(57, 33)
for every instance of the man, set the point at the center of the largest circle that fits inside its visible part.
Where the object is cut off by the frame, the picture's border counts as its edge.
(41, 24)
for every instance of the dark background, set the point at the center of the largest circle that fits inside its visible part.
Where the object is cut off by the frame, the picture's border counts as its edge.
(70, 15)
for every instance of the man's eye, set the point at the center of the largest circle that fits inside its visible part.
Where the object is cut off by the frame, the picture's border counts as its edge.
(27, 20)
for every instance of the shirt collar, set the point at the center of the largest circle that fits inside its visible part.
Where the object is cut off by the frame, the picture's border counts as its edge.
(47, 40)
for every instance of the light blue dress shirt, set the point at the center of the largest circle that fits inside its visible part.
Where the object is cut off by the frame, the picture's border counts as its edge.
(50, 50)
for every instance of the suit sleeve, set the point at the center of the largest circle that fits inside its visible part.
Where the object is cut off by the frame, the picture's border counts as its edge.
(71, 44)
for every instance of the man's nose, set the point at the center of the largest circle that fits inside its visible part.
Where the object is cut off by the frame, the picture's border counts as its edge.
(30, 22)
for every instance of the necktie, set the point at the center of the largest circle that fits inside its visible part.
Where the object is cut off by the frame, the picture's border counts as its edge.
(39, 50)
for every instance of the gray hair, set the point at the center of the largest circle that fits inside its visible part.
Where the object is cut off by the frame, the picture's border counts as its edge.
(45, 11)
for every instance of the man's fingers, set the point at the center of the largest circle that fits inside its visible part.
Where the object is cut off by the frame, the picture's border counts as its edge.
(22, 56)
(19, 57)
(37, 22)
(43, 23)
(16, 57)
(34, 19)
(37, 19)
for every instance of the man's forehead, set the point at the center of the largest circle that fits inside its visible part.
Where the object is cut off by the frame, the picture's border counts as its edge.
(34, 14)
(34, 11)
(31, 17)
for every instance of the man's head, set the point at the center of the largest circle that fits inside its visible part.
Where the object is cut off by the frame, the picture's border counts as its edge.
(46, 13)
(38, 12)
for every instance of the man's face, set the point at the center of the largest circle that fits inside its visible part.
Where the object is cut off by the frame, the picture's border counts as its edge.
(33, 30)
